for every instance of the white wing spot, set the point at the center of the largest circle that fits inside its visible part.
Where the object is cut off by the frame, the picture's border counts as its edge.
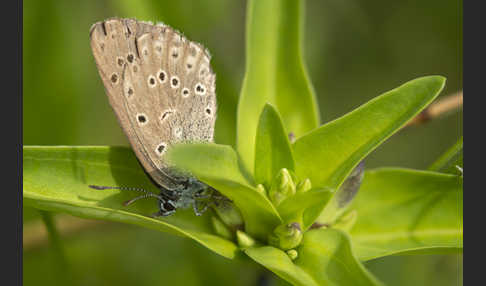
(130, 58)
(161, 75)
(129, 91)
(203, 71)
(178, 132)
(185, 92)
(142, 119)
(200, 89)
(151, 81)
(161, 148)
(209, 112)
(174, 82)
(120, 61)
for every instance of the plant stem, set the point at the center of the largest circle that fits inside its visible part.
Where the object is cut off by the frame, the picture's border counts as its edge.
(35, 234)
(443, 106)
(54, 238)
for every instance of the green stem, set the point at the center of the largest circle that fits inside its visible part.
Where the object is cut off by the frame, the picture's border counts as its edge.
(54, 239)
(449, 158)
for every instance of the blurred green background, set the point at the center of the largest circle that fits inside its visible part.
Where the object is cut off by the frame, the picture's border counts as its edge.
(354, 51)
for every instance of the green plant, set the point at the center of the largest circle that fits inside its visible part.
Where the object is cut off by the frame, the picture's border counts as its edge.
(295, 213)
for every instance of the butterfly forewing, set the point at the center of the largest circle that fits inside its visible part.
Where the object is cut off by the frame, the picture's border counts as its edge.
(160, 86)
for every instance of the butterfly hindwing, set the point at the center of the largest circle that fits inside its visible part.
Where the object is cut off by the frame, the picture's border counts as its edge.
(160, 86)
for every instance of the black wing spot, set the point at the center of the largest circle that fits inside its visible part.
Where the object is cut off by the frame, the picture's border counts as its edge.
(130, 58)
(114, 78)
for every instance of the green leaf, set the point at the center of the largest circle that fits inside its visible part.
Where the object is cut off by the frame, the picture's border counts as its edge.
(449, 160)
(218, 166)
(279, 262)
(274, 73)
(340, 202)
(324, 257)
(305, 207)
(403, 210)
(272, 150)
(327, 155)
(57, 179)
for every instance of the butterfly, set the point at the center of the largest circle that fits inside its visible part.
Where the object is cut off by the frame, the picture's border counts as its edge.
(162, 90)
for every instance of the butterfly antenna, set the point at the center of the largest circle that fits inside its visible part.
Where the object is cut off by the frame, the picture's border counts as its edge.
(119, 188)
(146, 194)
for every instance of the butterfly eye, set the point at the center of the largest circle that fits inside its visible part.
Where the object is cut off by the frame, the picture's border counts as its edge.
(209, 111)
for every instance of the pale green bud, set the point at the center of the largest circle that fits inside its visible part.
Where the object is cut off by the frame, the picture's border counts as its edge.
(261, 189)
(292, 253)
(282, 187)
(304, 186)
(244, 240)
(286, 236)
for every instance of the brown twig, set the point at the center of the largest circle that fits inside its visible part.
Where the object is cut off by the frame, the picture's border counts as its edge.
(443, 106)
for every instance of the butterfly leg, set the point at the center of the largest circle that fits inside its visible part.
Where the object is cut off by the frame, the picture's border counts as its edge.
(144, 196)
(162, 213)
(197, 210)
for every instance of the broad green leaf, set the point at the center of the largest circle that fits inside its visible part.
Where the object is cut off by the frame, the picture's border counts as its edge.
(325, 257)
(327, 155)
(274, 73)
(305, 207)
(218, 166)
(449, 160)
(57, 179)
(403, 210)
(272, 150)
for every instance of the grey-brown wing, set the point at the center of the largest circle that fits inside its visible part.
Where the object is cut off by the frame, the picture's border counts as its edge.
(160, 86)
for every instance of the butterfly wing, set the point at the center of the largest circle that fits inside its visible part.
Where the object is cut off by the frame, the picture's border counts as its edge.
(160, 86)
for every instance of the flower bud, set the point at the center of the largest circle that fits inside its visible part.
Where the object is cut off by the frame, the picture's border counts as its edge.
(286, 236)
(304, 186)
(244, 240)
(282, 187)
(261, 189)
(292, 253)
